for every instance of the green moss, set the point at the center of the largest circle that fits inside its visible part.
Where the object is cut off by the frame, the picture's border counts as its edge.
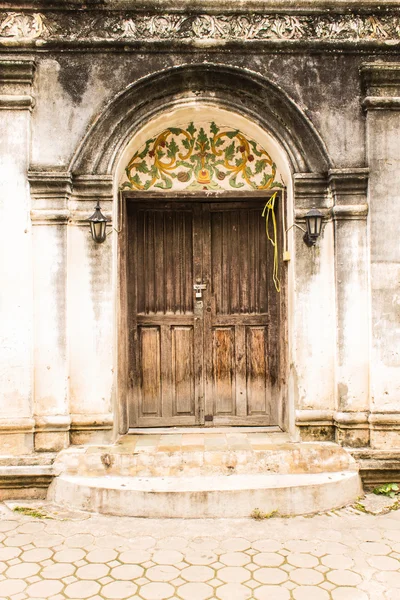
(258, 515)
(30, 512)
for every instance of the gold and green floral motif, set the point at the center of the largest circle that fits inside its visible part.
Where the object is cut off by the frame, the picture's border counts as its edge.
(207, 158)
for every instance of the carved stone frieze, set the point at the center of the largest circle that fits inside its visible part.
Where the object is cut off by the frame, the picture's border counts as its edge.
(72, 26)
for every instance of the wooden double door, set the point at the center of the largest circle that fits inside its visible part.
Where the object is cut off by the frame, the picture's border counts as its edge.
(203, 315)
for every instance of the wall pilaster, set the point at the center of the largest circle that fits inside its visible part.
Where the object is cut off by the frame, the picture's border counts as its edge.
(50, 192)
(16, 306)
(90, 314)
(350, 210)
(381, 83)
(313, 369)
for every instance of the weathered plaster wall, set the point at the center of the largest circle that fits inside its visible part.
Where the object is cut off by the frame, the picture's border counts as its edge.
(71, 91)
(58, 326)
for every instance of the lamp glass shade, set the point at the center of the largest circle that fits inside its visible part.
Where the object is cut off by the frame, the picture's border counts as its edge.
(314, 223)
(98, 224)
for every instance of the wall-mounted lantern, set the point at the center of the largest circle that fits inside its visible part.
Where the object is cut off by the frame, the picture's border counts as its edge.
(311, 234)
(98, 224)
(314, 224)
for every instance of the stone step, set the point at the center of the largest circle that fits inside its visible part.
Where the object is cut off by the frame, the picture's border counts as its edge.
(147, 456)
(207, 496)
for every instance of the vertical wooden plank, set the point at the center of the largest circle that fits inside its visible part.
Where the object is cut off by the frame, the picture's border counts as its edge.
(188, 264)
(211, 228)
(234, 262)
(257, 374)
(135, 298)
(265, 267)
(225, 290)
(251, 272)
(241, 371)
(223, 370)
(159, 273)
(213, 235)
(198, 312)
(182, 371)
(167, 392)
(243, 261)
(150, 363)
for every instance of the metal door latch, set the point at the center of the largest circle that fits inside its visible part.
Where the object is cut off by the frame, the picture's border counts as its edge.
(198, 288)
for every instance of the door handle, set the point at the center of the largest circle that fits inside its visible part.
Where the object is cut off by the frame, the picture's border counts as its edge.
(198, 288)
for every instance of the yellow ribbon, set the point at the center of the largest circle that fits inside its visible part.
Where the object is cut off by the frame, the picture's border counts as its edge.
(267, 212)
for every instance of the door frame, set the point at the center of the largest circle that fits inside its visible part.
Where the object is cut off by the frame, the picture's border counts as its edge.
(125, 379)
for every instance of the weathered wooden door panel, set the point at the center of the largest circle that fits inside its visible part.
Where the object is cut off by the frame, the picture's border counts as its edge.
(166, 334)
(215, 358)
(237, 315)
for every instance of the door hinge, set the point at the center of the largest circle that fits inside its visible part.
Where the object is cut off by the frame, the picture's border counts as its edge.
(209, 418)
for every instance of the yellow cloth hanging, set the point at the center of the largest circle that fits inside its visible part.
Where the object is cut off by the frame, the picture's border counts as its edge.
(267, 213)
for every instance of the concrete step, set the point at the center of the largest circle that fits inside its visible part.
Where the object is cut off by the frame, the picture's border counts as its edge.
(207, 496)
(204, 454)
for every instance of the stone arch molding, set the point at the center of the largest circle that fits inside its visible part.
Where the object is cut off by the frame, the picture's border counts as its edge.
(240, 91)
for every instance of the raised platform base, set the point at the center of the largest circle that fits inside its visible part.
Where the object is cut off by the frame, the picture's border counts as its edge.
(224, 474)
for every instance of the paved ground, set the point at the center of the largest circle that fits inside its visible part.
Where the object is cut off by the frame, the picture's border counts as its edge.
(339, 556)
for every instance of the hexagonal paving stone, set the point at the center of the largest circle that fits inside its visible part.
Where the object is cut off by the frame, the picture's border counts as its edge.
(32, 527)
(197, 573)
(58, 571)
(22, 571)
(306, 577)
(37, 555)
(19, 540)
(119, 589)
(233, 574)
(303, 561)
(271, 592)
(384, 563)
(126, 572)
(235, 559)
(270, 575)
(69, 555)
(44, 589)
(92, 571)
(235, 591)
(48, 541)
(389, 578)
(9, 587)
(10, 553)
(101, 555)
(157, 591)
(335, 561)
(344, 577)
(195, 591)
(375, 548)
(82, 589)
(162, 573)
(306, 592)
(167, 557)
(134, 557)
(8, 525)
(268, 559)
(194, 557)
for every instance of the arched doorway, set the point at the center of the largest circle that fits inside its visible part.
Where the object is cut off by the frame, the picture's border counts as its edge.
(204, 285)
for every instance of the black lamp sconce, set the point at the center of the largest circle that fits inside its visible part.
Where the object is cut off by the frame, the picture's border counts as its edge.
(313, 227)
(98, 225)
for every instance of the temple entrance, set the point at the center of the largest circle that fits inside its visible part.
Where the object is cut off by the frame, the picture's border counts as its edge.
(203, 313)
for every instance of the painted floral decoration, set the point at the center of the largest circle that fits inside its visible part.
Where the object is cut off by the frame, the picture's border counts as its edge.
(204, 158)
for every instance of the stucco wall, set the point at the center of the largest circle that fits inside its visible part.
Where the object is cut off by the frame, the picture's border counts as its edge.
(59, 325)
